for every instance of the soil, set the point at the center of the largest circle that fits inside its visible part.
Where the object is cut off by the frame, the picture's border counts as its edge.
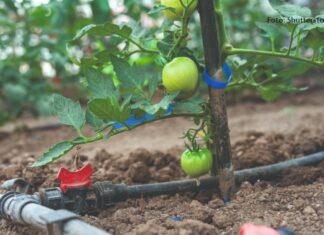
(261, 133)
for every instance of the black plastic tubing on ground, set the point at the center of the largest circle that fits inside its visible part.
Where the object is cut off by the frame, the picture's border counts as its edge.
(253, 174)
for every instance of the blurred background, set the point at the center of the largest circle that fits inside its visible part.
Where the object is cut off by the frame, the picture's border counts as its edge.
(34, 61)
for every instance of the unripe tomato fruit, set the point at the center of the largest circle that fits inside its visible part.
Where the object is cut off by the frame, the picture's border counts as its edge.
(181, 74)
(196, 163)
(178, 8)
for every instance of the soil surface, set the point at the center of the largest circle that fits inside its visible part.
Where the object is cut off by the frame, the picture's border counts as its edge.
(262, 133)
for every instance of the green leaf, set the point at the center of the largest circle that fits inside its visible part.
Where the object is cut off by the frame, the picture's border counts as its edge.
(293, 71)
(289, 10)
(99, 85)
(93, 120)
(68, 112)
(54, 153)
(101, 30)
(154, 109)
(166, 43)
(109, 110)
(270, 29)
(312, 38)
(312, 33)
(268, 93)
(153, 82)
(193, 105)
(275, 3)
(129, 76)
(157, 9)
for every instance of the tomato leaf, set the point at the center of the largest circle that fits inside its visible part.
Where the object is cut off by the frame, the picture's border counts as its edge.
(270, 30)
(99, 85)
(153, 82)
(93, 120)
(194, 105)
(293, 71)
(129, 76)
(67, 111)
(147, 107)
(157, 9)
(54, 153)
(313, 33)
(289, 10)
(101, 30)
(109, 110)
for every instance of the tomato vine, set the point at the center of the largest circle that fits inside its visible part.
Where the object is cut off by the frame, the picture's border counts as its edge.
(123, 91)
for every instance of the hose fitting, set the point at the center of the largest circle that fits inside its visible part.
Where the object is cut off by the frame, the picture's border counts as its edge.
(12, 204)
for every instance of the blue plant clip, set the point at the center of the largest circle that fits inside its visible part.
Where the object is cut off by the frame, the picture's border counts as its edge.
(177, 218)
(132, 121)
(218, 84)
(226, 201)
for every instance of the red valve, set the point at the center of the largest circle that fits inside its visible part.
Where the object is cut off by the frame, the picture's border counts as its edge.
(75, 179)
(252, 229)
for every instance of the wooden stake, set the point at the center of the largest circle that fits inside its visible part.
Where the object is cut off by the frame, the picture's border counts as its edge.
(221, 147)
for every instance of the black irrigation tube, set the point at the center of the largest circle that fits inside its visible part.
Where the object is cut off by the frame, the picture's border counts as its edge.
(108, 194)
(252, 174)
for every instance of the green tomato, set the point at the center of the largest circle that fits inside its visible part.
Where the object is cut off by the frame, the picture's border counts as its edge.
(181, 74)
(178, 8)
(196, 163)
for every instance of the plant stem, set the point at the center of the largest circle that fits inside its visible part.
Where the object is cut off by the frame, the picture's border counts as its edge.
(220, 24)
(298, 44)
(292, 39)
(142, 49)
(314, 55)
(236, 51)
(184, 29)
(114, 132)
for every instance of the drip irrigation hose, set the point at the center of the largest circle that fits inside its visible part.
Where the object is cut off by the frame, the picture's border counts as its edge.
(105, 194)
(108, 193)
(24, 208)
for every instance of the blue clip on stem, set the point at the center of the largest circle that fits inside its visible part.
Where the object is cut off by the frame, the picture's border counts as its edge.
(215, 83)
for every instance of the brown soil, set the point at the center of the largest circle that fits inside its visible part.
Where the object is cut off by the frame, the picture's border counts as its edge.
(262, 133)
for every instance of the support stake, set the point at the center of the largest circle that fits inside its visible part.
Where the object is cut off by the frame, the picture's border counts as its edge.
(221, 147)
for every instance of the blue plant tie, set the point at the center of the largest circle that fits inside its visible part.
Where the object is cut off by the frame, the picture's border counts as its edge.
(177, 218)
(133, 121)
(226, 201)
(218, 84)
(285, 231)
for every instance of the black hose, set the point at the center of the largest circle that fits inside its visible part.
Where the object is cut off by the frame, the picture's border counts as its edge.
(270, 171)
(105, 193)
(253, 174)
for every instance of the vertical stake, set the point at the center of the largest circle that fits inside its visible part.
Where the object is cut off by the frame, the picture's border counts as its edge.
(221, 147)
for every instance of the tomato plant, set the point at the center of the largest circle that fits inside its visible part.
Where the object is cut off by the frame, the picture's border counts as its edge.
(128, 64)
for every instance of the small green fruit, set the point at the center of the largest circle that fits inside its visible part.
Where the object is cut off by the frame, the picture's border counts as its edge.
(178, 9)
(180, 75)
